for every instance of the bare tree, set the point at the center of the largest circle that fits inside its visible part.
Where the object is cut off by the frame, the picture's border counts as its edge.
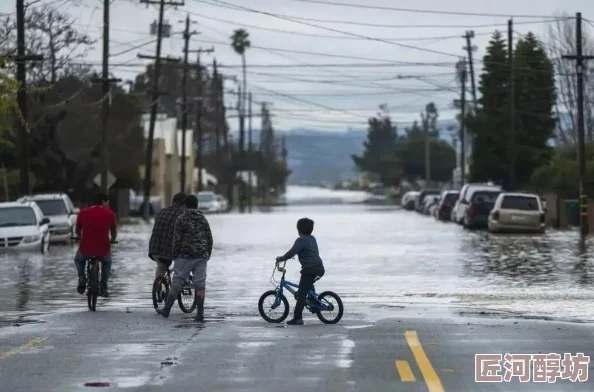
(562, 41)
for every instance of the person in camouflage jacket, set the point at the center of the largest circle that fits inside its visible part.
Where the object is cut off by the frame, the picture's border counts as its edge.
(192, 248)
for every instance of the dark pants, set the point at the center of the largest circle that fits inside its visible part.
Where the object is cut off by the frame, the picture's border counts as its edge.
(305, 284)
(81, 262)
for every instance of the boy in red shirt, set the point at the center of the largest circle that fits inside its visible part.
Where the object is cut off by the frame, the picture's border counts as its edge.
(93, 226)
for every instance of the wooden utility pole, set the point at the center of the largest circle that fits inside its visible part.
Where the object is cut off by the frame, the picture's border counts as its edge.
(155, 94)
(21, 75)
(580, 69)
(512, 107)
(106, 83)
(250, 160)
(184, 108)
(427, 141)
(470, 49)
(241, 161)
(198, 125)
(462, 74)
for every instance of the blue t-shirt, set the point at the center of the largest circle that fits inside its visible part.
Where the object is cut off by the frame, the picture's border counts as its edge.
(306, 247)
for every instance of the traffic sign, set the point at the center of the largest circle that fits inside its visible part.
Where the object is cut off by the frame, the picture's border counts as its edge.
(111, 179)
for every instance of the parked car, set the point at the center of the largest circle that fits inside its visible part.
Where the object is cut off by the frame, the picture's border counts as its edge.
(223, 202)
(59, 208)
(479, 207)
(517, 212)
(23, 227)
(137, 204)
(430, 202)
(446, 204)
(420, 202)
(408, 200)
(464, 199)
(207, 202)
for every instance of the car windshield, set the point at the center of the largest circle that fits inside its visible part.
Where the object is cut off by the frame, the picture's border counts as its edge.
(526, 203)
(52, 207)
(17, 216)
(205, 198)
(485, 197)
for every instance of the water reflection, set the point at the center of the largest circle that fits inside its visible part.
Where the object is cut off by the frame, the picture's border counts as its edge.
(583, 267)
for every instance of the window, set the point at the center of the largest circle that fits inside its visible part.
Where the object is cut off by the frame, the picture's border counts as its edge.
(525, 203)
(206, 198)
(17, 216)
(486, 197)
(451, 198)
(52, 207)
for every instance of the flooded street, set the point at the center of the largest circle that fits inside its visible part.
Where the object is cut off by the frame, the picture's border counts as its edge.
(398, 274)
(373, 255)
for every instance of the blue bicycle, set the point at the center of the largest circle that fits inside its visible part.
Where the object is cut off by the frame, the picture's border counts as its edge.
(274, 306)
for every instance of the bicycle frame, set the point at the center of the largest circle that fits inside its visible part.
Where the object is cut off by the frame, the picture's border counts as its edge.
(292, 288)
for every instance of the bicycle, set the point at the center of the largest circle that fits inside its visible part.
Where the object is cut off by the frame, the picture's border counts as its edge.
(315, 303)
(93, 278)
(161, 287)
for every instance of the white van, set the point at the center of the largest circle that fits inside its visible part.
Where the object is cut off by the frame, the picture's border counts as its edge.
(459, 210)
(23, 227)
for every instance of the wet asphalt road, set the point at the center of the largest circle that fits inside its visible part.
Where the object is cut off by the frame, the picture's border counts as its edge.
(401, 277)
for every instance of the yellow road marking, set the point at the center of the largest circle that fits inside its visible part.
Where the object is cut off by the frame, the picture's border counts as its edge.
(429, 374)
(25, 346)
(405, 372)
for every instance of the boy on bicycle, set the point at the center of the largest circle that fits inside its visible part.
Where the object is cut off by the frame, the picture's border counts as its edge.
(306, 247)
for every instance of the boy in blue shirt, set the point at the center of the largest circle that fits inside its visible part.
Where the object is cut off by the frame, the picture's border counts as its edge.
(306, 247)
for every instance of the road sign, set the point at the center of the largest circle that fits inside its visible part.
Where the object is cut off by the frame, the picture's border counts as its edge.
(111, 179)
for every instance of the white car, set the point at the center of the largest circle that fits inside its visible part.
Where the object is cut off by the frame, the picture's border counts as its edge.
(466, 195)
(207, 202)
(59, 209)
(223, 202)
(23, 227)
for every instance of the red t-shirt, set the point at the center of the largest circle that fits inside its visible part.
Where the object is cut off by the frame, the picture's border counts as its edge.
(96, 223)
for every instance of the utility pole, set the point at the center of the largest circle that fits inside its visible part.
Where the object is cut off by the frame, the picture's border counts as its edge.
(106, 83)
(512, 107)
(21, 76)
(154, 103)
(470, 49)
(461, 70)
(198, 125)
(250, 168)
(241, 149)
(184, 108)
(580, 69)
(425, 119)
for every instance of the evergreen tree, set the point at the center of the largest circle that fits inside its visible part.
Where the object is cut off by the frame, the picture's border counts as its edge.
(535, 99)
(489, 125)
(379, 155)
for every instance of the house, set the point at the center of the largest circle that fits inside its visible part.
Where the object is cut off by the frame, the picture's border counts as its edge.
(167, 156)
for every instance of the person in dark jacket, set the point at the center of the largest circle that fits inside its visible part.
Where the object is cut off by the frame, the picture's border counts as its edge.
(192, 247)
(306, 247)
(161, 242)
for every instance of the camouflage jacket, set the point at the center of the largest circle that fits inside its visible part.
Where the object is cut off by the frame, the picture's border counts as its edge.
(192, 237)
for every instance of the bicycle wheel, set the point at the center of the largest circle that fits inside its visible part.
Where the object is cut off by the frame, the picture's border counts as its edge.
(93, 288)
(186, 299)
(333, 301)
(160, 292)
(265, 304)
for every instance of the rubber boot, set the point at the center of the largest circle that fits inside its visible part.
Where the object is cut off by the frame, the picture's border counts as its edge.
(168, 305)
(200, 306)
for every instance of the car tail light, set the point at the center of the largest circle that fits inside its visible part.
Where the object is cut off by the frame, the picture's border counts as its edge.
(496, 215)
(542, 218)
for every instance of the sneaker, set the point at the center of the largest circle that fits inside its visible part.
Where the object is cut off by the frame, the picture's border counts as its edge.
(82, 285)
(295, 322)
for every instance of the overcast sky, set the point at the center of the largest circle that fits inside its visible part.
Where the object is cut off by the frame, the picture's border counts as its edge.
(304, 93)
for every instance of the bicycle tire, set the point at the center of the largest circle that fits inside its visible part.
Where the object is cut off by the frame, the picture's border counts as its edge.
(340, 308)
(186, 291)
(93, 290)
(159, 296)
(284, 302)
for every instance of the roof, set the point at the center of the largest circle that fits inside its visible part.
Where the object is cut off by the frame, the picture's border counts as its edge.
(520, 194)
(12, 204)
(44, 196)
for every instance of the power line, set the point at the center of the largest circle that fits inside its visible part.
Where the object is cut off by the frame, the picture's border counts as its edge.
(133, 48)
(391, 26)
(422, 11)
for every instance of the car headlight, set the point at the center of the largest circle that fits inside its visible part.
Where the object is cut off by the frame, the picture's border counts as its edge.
(32, 238)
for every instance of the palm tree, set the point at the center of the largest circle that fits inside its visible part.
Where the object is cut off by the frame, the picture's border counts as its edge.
(240, 42)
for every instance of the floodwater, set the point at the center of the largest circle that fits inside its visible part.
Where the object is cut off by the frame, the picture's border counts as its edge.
(373, 256)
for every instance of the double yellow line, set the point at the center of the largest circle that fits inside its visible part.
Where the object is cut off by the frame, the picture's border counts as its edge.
(22, 347)
(427, 371)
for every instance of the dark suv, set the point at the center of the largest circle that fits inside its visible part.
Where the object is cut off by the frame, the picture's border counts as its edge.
(479, 208)
(446, 204)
